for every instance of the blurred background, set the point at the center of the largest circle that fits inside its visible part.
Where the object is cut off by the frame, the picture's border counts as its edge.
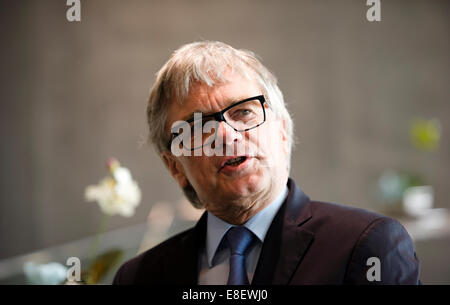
(370, 102)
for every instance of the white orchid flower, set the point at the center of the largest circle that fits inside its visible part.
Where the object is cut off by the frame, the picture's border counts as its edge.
(117, 193)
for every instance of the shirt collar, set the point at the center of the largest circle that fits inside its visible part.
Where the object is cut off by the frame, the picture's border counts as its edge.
(259, 224)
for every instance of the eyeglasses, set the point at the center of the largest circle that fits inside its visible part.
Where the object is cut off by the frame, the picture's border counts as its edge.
(241, 116)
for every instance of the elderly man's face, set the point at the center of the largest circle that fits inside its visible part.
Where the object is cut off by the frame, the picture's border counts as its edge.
(232, 192)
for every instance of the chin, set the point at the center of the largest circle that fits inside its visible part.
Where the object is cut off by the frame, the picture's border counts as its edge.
(249, 185)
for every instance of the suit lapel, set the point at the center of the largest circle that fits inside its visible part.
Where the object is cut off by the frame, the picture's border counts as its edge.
(285, 244)
(286, 241)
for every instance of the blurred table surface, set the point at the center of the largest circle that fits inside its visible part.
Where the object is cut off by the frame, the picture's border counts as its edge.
(132, 240)
(433, 224)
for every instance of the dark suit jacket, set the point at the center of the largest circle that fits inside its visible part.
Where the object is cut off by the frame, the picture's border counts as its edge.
(308, 242)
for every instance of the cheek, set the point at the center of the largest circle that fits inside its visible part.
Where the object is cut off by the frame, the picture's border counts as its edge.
(272, 143)
(197, 168)
(269, 139)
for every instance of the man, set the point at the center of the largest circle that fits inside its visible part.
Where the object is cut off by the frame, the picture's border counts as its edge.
(258, 227)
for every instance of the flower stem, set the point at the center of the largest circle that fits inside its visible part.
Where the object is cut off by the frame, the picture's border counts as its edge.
(95, 245)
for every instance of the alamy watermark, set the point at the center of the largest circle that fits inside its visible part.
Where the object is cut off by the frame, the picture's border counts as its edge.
(374, 11)
(74, 272)
(374, 272)
(74, 11)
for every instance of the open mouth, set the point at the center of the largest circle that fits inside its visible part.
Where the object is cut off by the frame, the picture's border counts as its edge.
(233, 162)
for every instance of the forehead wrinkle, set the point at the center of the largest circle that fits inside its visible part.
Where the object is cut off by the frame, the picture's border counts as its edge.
(208, 100)
(211, 99)
(202, 89)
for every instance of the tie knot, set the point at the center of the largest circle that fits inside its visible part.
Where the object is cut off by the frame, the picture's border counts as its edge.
(239, 240)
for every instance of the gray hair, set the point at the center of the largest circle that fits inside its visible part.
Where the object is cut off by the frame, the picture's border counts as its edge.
(207, 62)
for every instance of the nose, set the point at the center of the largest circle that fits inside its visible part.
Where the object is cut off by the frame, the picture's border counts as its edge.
(227, 135)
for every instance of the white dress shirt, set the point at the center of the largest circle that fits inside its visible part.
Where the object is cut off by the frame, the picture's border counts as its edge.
(214, 258)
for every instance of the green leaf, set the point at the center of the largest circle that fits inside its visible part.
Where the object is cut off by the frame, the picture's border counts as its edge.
(425, 134)
(101, 265)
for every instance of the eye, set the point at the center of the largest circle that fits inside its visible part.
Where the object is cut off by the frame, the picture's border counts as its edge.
(245, 111)
(242, 112)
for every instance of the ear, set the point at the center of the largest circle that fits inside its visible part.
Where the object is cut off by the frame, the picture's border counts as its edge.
(175, 168)
(284, 135)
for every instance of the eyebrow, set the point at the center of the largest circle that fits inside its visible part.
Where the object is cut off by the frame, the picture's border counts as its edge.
(231, 101)
(191, 115)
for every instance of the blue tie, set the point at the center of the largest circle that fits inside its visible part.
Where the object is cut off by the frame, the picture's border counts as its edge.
(239, 240)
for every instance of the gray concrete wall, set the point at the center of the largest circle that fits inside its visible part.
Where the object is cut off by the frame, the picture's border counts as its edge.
(74, 94)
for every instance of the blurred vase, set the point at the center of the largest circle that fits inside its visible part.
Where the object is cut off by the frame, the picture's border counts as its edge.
(45, 274)
(418, 200)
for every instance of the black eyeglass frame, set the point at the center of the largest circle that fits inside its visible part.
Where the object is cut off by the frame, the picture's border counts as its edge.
(219, 117)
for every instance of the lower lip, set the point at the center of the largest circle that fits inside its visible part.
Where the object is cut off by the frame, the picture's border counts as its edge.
(228, 169)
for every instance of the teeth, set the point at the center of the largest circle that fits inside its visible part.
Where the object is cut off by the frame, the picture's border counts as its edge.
(235, 161)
